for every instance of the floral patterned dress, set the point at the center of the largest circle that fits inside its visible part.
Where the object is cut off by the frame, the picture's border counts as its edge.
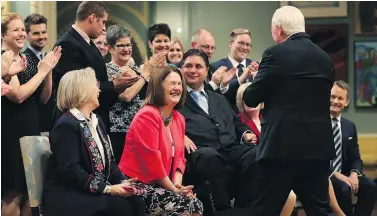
(121, 114)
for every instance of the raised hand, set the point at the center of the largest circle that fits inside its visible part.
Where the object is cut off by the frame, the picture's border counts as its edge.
(253, 69)
(6, 61)
(228, 76)
(50, 60)
(218, 75)
(18, 65)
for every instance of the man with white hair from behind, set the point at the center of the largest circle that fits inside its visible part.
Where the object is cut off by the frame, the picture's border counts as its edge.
(296, 145)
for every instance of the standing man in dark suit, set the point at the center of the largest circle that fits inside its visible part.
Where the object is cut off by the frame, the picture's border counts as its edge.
(81, 52)
(347, 167)
(36, 30)
(246, 69)
(217, 133)
(294, 81)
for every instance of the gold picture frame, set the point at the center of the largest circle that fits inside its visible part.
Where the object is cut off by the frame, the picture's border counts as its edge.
(319, 9)
(5, 7)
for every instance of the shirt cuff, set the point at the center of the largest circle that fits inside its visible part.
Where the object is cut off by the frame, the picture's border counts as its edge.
(214, 86)
(241, 141)
(357, 171)
(223, 90)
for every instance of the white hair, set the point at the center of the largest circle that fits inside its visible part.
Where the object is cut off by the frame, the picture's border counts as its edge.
(290, 19)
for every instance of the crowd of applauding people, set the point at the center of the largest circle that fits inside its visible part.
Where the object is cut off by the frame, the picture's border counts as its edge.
(177, 135)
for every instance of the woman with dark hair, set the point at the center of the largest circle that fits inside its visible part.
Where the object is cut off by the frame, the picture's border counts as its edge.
(154, 149)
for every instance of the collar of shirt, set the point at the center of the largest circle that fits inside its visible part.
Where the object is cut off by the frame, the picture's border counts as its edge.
(235, 63)
(82, 33)
(189, 90)
(36, 52)
(338, 118)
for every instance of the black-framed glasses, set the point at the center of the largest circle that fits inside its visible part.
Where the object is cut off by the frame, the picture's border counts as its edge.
(123, 46)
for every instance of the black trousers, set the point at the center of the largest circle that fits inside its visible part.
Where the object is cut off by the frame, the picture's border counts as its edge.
(366, 196)
(276, 178)
(118, 141)
(120, 206)
(230, 173)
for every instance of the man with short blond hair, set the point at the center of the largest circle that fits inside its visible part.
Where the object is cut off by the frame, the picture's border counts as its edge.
(240, 47)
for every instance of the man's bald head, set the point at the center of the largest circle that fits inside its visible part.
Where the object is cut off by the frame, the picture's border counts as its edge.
(203, 39)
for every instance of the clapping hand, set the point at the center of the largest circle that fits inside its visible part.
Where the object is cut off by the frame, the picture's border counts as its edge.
(217, 76)
(18, 65)
(6, 61)
(253, 69)
(228, 76)
(50, 60)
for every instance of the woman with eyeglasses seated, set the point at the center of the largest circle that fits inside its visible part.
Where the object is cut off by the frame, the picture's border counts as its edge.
(82, 178)
(154, 149)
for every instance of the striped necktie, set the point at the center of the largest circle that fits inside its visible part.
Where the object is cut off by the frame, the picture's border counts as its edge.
(337, 163)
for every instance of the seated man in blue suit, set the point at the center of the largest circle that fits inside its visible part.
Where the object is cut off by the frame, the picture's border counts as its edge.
(240, 47)
(347, 177)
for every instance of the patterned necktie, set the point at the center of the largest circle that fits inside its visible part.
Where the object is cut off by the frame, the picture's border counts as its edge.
(202, 103)
(337, 163)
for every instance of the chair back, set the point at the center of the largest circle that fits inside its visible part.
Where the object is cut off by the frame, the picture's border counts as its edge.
(35, 153)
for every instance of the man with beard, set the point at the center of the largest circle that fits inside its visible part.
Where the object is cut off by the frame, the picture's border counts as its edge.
(79, 51)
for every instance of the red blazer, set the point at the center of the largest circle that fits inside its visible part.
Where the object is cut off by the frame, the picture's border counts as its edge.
(251, 124)
(147, 153)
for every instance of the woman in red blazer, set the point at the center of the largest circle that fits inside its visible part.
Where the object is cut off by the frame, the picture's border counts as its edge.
(154, 149)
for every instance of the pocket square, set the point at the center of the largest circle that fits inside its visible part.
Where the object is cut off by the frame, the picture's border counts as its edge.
(349, 138)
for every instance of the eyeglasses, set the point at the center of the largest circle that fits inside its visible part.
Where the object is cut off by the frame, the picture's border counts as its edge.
(207, 47)
(123, 46)
(241, 43)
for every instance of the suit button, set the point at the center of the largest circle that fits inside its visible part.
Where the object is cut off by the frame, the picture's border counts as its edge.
(217, 125)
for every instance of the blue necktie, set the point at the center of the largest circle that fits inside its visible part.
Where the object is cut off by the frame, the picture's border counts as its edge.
(202, 104)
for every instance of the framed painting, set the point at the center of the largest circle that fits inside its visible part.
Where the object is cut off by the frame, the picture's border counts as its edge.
(365, 17)
(319, 9)
(333, 39)
(5, 7)
(365, 74)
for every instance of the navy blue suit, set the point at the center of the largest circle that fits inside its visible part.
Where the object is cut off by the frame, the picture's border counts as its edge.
(234, 84)
(351, 161)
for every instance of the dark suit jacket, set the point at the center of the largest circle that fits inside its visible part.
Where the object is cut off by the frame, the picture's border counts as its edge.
(220, 128)
(234, 84)
(76, 176)
(78, 54)
(350, 148)
(294, 81)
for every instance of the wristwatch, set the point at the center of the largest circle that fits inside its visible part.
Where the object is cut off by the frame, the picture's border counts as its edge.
(145, 80)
